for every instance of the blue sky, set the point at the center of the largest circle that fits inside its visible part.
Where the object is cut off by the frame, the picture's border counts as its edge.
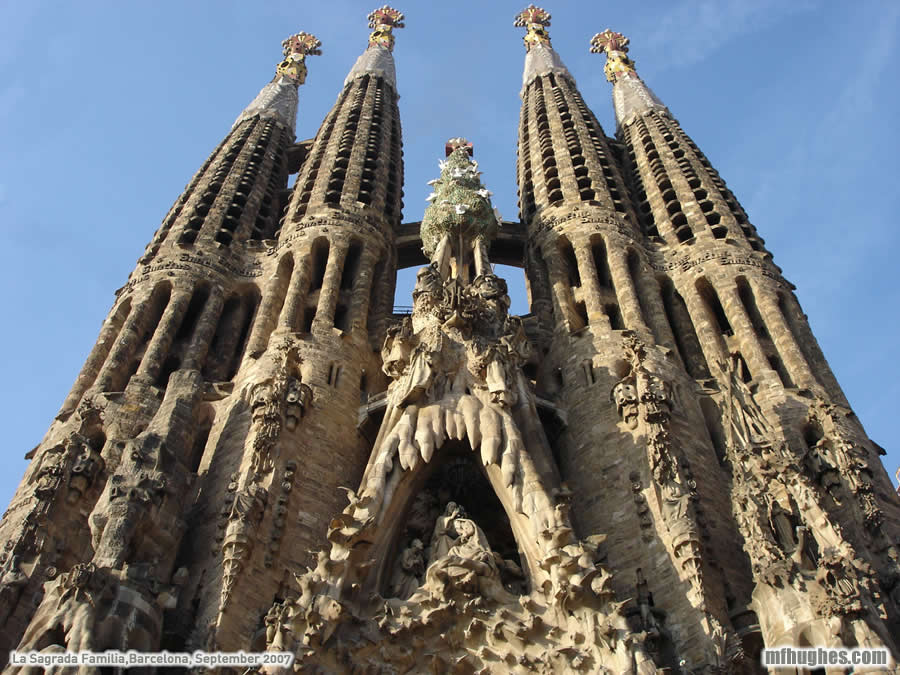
(108, 108)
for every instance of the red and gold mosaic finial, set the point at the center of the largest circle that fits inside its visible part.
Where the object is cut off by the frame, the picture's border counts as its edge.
(535, 20)
(296, 49)
(615, 46)
(383, 21)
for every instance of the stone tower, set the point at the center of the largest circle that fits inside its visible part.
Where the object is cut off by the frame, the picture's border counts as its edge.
(654, 468)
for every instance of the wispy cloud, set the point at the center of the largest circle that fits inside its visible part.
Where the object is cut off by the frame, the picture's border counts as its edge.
(691, 30)
(839, 136)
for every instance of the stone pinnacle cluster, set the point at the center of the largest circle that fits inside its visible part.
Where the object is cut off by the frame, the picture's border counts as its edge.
(654, 470)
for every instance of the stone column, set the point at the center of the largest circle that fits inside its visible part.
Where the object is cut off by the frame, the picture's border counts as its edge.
(539, 289)
(361, 292)
(122, 351)
(105, 342)
(744, 331)
(784, 340)
(480, 254)
(267, 318)
(292, 311)
(651, 299)
(162, 339)
(562, 292)
(590, 284)
(711, 341)
(629, 305)
(331, 284)
(195, 355)
(224, 357)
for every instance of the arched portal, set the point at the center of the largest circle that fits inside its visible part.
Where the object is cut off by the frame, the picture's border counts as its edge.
(418, 509)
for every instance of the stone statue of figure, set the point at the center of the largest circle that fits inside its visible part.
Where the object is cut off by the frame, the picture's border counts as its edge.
(468, 566)
(748, 423)
(444, 535)
(409, 571)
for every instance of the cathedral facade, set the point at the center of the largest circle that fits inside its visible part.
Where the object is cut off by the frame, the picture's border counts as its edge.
(653, 470)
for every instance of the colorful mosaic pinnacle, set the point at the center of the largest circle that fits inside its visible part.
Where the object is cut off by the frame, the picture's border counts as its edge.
(296, 49)
(615, 45)
(535, 20)
(383, 21)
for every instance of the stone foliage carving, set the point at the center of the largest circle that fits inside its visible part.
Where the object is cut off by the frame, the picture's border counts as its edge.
(460, 614)
(84, 606)
(806, 571)
(837, 464)
(644, 402)
(456, 363)
(277, 401)
(116, 599)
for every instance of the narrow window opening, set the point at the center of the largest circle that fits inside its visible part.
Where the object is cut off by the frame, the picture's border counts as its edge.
(199, 445)
(244, 335)
(170, 365)
(309, 314)
(601, 263)
(351, 265)
(683, 331)
(570, 262)
(748, 300)
(319, 262)
(779, 368)
(588, 367)
(743, 370)
(709, 295)
(340, 317)
(334, 374)
(615, 316)
(192, 315)
(363, 387)
(581, 313)
(713, 417)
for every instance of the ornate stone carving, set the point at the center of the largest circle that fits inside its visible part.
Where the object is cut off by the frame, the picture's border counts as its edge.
(277, 401)
(245, 515)
(85, 607)
(835, 462)
(281, 511)
(645, 402)
(806, 572)
(88, 465)
(456, 371)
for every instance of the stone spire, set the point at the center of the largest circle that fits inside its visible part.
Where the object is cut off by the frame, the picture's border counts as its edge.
(540, 58)
(378, 59)
(630, 95)
(279, 97)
